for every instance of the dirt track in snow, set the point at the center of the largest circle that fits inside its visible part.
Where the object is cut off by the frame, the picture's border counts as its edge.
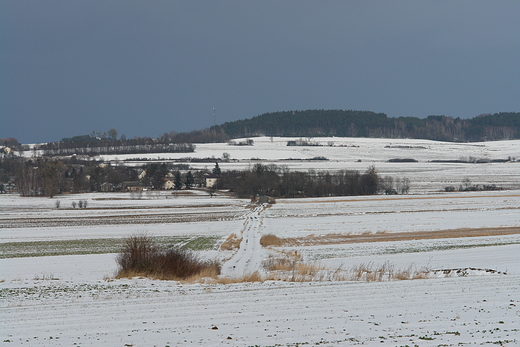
(248, 258)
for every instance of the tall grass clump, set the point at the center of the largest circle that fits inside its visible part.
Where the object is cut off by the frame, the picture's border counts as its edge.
(289, 267)
(270, 240)
(141, 256)
(386, 271)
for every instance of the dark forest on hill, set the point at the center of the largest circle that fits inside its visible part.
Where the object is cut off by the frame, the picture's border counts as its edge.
(310, 123)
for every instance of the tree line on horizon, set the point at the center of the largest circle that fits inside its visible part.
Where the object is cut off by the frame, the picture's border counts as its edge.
(308, 123)
(350, 123)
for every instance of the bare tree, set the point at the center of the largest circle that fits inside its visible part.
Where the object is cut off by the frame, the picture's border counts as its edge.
(50, 175)
(405, 185)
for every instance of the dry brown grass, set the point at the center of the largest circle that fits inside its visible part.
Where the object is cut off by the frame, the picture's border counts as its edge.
(270, 240)
(129, 274)
(278, 264)
(252, 277)
(308, 269)
(386, 272)
(289, 267)
(386, 236)
(231, 243)
(420, 275)
(209, 272)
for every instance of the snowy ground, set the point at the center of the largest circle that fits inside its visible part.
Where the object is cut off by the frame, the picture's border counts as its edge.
(72, 300)
(425, 175)
(248, 258)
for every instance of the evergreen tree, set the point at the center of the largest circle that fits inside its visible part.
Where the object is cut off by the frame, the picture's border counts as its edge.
(216, 170)
(177, 182)
(189, 180)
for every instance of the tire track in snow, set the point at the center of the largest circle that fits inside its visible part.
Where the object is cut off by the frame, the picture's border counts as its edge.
(249, 256)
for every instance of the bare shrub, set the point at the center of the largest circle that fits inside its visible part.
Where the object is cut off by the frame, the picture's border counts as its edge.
(270, 240)
(140, 256)
(137, 256)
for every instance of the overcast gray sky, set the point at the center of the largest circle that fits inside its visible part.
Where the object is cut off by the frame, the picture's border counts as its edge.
(149, 67)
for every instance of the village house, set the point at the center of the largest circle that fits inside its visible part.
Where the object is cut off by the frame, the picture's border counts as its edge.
(132, 186)
(211, 180)
(107, 187)
(168, 184)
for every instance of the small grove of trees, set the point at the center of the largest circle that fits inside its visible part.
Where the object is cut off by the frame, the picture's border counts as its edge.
(280, 182)
(390, 185)
(8, 145)
(467, 186)
(156, 176)
(189, 180)
(9, 167)
(196, 136)
(107, 143)
(48, 177)
(40, 177)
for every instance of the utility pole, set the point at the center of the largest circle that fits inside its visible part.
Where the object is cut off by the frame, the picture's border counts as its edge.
(214, 119)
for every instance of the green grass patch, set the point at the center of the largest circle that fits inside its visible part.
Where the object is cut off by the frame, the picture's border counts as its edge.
(97, 246)
(201, 243)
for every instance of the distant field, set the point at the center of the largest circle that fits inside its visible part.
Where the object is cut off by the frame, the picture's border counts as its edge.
(431, 172)
(462, 249)
(97, 246)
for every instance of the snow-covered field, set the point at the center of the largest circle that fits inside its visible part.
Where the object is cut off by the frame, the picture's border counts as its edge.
(72, 300)
(425, 175)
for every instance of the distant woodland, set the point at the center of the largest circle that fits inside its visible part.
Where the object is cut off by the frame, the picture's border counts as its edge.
(340, 123)
(65, 166)
(309, 123)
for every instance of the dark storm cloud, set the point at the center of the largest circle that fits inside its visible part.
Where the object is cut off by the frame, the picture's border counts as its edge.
(145, 68)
